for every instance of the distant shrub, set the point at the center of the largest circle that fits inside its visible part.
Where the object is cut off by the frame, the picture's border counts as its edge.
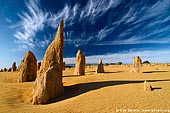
(69, 66)
(112, 63)
(146, 62)
(106, 64)
(5, 69)
(88, 64)
(119, 63)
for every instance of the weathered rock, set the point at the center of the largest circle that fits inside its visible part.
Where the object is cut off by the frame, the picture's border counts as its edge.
(5, 69)
(2, 70)
(28, 68)
(147, 86)
(9, 70)
(45, 87)
(63, 66)
(80, 64)
(100, 68)
(38, 66)
(137, 63)
(14, 67)
(19, 67)
(48, 84)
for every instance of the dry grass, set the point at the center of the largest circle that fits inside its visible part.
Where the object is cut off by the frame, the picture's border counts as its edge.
(117, 89)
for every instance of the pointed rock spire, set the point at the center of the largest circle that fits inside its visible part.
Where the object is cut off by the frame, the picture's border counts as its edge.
(80, 63)
(14, 67)
(100, 68)
(49, 81)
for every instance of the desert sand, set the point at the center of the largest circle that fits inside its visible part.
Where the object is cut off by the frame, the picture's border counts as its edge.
(116, 90)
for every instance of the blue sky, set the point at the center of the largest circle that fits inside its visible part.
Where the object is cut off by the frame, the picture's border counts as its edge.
(114, 30)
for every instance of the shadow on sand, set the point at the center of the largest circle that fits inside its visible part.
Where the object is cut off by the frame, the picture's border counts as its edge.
(88, 73)
(73, 75)
(77, 89)
(158, 71)
(156, 88)
(114, 72)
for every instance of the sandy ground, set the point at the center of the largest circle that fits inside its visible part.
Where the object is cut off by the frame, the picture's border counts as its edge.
(115, 91)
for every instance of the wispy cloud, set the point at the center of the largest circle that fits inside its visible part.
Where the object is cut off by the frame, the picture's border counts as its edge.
(134, 25)
(34, 21)
(140, 25)
(31, 22)
(36, 18)
(147, 24)
(135, 40)
(8, 20)
(97, 8)
(45, 41)
(158, 9)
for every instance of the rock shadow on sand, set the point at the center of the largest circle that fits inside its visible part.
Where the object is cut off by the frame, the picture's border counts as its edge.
(156, 88)
(90, 73)
(73, 75)
(156, 71)
(113, 72)
(78, 89)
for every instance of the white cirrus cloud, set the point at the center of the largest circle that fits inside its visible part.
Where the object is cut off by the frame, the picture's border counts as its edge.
(35, 19)
(8, 20)
(139, 31)
(31, 22)
(97, 8)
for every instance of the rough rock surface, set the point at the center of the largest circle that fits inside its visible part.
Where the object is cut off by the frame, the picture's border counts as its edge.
(100, 68)
(14, 67)
(48, 84)
(5, 69)
(137, 63)
(147, 86)
(28, 68)
(64, 65)
(9, 70)
(80, 64)
(38, 66)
